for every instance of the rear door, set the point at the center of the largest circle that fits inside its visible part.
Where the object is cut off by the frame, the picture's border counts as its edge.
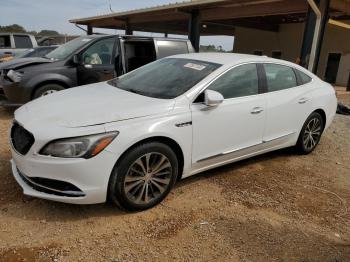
(97, 62)
(288, 102)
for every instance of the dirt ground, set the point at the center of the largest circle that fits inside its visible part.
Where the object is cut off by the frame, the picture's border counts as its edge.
(275, 207)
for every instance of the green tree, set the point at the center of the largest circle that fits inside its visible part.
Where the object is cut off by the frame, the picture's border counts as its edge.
(48, 33)
(15, 28)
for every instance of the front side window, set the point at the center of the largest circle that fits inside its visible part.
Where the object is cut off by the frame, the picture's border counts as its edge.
(239, 81)
(22, 41)
(100, 53)
(166, 78)
(279, 77)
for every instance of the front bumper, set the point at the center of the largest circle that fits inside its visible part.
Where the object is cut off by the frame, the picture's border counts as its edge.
(5, 102)
(12, 93)
(90, 176)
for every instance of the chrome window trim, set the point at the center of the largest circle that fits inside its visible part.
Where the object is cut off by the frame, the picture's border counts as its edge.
(245, 63)
(292, 67)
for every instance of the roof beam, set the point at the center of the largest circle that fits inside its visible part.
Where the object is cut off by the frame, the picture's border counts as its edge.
(341, 5)
(265, 9)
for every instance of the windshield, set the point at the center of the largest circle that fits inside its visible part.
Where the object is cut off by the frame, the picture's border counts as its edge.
(166, 78)
(68, 48)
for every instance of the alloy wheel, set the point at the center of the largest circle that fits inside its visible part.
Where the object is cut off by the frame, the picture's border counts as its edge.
(48, 92)
(312, 133)
(148, 178)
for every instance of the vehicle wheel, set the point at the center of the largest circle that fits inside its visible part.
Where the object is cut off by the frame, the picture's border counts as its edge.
(47, 90)
(310, 134)
(143, 177)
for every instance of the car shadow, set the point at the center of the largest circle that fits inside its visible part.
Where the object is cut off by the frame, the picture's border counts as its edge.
(232, 167)
(39, 209)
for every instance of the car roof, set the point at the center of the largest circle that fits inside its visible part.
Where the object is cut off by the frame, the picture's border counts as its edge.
(229, 58)
(136, 37)
(4, 33)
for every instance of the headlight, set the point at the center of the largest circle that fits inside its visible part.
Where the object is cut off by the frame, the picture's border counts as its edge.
(83, 146)
(14, 75)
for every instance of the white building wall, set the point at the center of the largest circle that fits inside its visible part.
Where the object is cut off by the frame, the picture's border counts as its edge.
(289, 40)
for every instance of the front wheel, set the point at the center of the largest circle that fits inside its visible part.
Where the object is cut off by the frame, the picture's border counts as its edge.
(47, 90)
(144, 176)
(310, 134)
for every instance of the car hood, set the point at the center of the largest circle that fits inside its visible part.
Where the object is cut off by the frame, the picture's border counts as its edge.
(90, 105)
(23, 62)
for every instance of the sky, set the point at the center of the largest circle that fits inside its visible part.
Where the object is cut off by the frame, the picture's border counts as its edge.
(54, 14)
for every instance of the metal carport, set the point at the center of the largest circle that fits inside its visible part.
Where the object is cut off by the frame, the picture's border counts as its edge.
(220, 17)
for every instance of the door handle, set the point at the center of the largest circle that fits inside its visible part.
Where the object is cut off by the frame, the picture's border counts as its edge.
(303, 100)
(256, 110)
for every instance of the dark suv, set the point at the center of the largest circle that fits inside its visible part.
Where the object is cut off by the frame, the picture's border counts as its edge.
(84, 60)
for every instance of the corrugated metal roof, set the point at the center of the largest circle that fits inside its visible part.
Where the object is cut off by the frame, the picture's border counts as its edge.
(149, 9)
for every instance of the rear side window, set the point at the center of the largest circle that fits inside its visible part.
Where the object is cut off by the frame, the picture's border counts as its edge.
(239, 81)
(168, 48)
(22, 41)
(304, 78)
(5, 41)
(279, 77)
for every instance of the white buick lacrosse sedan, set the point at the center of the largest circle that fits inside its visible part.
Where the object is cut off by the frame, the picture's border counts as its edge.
(130, 139)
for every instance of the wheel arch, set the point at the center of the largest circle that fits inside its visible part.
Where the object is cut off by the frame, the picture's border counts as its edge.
(323, 115)
(46, 82)
(167, 141)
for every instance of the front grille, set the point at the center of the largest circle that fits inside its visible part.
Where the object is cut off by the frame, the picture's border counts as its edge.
(22, 140)
(52, 186)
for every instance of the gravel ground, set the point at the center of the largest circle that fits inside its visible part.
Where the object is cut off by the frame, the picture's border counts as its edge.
(276, 207)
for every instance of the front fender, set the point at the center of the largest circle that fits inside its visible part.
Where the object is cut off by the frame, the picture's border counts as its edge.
(134, 131)
(29, 84)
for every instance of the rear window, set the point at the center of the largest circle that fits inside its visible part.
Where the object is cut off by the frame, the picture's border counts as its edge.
(304, 78)
(22, 41)
(168, 48)
(5, 41)
(279, 77)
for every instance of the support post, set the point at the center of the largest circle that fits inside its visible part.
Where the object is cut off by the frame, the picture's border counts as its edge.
(316, 21)
(324, 8)
(194, 29)
(128, 30)
(89, 30)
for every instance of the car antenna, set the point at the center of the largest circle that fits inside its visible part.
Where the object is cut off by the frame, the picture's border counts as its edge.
(110, 6)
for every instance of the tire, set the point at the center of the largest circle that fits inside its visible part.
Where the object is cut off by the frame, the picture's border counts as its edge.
(134, 186)
(47, 89)
(306, 141)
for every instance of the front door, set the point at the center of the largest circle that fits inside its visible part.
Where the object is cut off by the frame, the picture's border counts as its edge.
(235, 125)
(97, 62)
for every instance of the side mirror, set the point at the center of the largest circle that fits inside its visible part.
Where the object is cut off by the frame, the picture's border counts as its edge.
(76, 59)
(212, 98)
